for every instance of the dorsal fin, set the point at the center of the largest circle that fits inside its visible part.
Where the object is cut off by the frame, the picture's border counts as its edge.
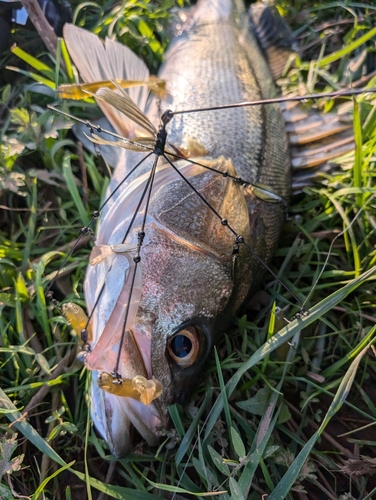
(97, 60)
(274, 36)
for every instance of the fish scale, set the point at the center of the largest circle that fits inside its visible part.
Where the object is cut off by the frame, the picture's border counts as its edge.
(224, 70)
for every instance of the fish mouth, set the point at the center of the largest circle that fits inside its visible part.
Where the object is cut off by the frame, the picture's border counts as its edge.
(113, 417)
(127, 398)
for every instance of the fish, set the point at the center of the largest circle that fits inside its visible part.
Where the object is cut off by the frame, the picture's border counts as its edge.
(186, 230)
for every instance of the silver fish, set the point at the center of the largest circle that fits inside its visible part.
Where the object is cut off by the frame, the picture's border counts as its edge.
(165, 299)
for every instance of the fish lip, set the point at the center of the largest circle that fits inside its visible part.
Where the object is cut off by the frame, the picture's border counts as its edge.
(113, 415)
(103, 408)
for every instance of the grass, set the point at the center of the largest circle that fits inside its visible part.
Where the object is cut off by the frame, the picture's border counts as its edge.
(278, 413)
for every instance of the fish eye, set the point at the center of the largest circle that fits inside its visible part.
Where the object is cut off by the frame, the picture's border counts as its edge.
(183, 347)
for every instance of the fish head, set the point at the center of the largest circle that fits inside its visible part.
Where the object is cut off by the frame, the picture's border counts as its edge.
(187, 282)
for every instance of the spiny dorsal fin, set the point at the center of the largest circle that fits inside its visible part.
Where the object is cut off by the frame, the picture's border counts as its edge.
(111, 60)
(274, 36)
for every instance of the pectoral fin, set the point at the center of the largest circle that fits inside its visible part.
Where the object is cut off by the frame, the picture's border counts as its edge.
(101, 61)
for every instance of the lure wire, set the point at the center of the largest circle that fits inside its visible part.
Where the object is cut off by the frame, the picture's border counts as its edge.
(239, 239)
(158, 151)
(137, 261)
(279, 100)
(224, 174)
(99, 129)
(124, 238)
(87, 229)
(236, 179)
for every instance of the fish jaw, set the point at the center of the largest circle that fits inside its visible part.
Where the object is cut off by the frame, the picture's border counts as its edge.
(187, 283)
(113, 349)
(144, 347)
(113, 417)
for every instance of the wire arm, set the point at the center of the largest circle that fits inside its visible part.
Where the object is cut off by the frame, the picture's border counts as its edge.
(136, 260)
(158, 151)
(278, 100)
(239, 239)
(87, 229)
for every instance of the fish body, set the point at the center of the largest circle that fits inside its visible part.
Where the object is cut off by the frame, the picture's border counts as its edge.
(192, 276)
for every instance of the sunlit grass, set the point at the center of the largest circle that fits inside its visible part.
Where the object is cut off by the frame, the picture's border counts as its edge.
(274, 414)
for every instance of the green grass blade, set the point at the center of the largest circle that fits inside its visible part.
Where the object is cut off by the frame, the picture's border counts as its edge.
(20, 422)
(236, 493)
(189, 435)
(87, 433)
(95, 177)
(176, 420)
(71, 183)
(357, 175)
(68, 493)
(41, 302)
(58, 63)
(370, 495)
(344, 388)
(286, 483)
(19, 321)
(67, 61)
(146, 31)
(226, 406)
(333, 369)
(339, 54)
(41, 487)
(31, 227)
(285, 334)
(34, 76)
(33, 62)
(176, 489)
(350, 233)
(256, 453)
(237, 443)
(218, 461)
